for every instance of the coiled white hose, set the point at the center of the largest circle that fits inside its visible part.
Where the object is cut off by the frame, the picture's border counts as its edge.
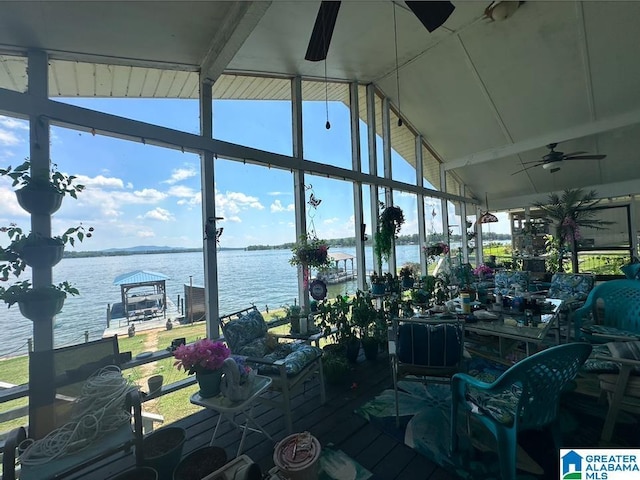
(98, 410)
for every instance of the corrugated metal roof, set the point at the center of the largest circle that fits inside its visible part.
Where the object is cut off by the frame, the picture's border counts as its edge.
(139, 276)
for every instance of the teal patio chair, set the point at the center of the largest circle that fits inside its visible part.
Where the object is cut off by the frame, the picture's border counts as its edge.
(525, 397)
(611, 312)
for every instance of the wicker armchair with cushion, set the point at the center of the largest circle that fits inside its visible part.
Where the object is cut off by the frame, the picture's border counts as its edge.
(288, 364)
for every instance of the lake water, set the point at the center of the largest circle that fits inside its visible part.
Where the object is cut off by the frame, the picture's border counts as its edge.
(262, 277)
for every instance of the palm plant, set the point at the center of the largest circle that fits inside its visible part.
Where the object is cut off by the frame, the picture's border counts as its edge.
(570, 212)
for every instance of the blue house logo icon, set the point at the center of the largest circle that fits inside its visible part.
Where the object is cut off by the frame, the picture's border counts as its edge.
(572, 466)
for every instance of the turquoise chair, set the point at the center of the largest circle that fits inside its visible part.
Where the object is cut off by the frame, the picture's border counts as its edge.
(611, 312)
(525, 397)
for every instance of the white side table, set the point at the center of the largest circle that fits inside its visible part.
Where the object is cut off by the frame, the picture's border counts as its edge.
(229, 409)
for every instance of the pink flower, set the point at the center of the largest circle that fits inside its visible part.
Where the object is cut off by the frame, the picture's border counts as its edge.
(202, 355)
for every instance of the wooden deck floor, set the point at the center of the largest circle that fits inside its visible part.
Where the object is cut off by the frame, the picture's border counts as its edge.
(333, 423)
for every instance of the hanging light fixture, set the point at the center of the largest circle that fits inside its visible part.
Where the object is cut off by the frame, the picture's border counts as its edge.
(487, 217)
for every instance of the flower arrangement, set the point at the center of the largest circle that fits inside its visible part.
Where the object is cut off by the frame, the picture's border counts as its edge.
(435, 249)
(244, 370)
(482, 270)
(310, 251)
(201, 356)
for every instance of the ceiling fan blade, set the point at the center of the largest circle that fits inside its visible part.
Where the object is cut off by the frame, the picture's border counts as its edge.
(586, 157)
(431, 14)
(554, 170)
(573, 153)
(528, 168)
(322, 31)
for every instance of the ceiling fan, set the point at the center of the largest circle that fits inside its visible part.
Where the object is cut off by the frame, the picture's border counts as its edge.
(553, 160)
(431, 14)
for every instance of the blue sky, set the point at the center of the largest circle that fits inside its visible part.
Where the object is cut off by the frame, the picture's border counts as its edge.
(139, 194)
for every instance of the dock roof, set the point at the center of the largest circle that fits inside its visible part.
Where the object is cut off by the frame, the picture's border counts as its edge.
(139, 276)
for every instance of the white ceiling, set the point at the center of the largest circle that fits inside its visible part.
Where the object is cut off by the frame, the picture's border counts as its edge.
(486, 95)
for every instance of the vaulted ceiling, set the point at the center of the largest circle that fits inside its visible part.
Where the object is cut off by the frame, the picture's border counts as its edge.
(486, 95)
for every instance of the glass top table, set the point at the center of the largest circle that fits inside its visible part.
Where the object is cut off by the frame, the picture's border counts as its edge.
(507, 327)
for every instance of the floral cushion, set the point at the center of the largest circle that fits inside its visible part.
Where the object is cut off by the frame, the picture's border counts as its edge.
(567, 286)
(247, 336)
(630, 350)
(296, 357)
(506, 279)
(244, 330)
(611, 331)
(501, 407)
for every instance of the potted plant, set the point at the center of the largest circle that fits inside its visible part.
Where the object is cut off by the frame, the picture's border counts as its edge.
(204, 358)
(162, 450)
(390, 222)
(378, 284)
(292, 314)
(408, 274)
(363, 317)
(570, 212)
(310, 251)
(37, 250)
(37, 303)
(41, 194)
(335, 323)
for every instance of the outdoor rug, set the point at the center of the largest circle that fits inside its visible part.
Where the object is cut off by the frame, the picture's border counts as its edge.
(425, 426)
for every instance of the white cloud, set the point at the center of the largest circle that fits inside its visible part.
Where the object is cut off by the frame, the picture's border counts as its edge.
(13, 124)
(234, 218)
(100, 181)
(159, 214)
(329, 221)
(148, 195)
(277, 194)
(10, 207)
(277, 206)
(130, 185)
(181, 191)
(145, 234)
(180, 174)
(230, 204)
(8, 138)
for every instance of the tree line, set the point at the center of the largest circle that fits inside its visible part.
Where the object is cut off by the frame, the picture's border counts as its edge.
(401, 240)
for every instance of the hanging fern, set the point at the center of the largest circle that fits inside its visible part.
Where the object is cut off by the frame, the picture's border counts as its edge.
(390, 222)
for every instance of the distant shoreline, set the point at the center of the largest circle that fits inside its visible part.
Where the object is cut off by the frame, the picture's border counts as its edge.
(125, 252)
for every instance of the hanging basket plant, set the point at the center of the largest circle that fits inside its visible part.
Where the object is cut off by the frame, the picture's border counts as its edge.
(390, 222)
(310, 251)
